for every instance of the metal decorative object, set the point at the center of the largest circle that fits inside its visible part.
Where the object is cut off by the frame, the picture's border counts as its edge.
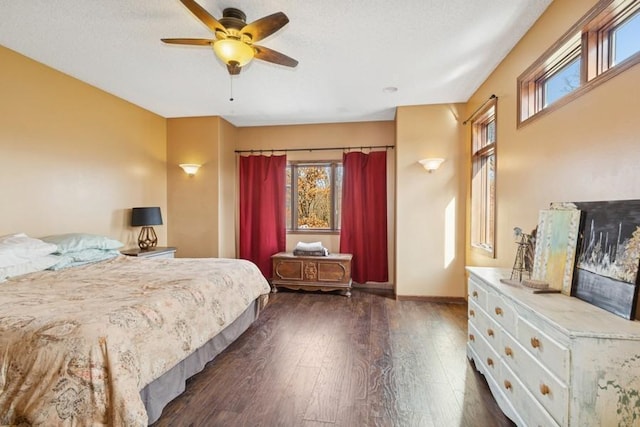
(522, 264)
(147, 238)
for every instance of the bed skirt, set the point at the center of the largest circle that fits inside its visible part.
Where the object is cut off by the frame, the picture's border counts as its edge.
(157, 394)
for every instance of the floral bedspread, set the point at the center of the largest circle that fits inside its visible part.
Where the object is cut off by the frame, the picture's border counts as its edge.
(78, 345)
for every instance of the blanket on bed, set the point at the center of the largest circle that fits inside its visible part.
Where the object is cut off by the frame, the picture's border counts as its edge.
(78, 345)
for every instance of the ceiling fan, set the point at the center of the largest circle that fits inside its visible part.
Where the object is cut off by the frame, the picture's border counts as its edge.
(234, 38)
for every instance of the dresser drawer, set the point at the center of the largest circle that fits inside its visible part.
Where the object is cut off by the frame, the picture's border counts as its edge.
(474, 313)
(477, 294)
(473, 339)
(485, 326)
(549, 352)
(489, 359)
(502, 312)
(548, 390)
(523, 402)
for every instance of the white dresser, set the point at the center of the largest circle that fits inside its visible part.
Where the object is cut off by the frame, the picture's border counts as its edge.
(550, 359)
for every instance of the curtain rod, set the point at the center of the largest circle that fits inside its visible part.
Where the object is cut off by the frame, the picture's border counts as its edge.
(493, 96)
(386, 147)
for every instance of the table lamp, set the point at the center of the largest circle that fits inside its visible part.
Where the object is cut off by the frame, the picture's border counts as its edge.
(145, 218)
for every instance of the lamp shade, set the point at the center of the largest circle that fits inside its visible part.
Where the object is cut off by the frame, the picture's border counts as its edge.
(230, 50)
(189, 168)
(146, 216)
(431, 164)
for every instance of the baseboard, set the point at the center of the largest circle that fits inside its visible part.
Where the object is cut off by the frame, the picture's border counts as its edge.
(448, 300)
(373, 285)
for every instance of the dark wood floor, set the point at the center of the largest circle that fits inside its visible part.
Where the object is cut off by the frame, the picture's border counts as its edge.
(326, 360)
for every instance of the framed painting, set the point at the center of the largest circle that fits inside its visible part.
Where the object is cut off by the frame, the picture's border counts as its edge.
(555, 250)
(608, 256)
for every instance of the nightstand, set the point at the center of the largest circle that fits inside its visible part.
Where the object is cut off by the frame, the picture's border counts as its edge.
(157, 252)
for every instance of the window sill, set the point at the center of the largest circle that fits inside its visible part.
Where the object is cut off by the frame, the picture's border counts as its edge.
(314, 231)
(484, 250)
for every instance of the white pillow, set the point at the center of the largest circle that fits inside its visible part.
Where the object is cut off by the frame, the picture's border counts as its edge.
(30, 266)
(19, 248)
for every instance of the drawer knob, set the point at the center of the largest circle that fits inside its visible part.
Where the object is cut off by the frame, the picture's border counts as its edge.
(508, 351)
(507, 384)
(475, 294)
(498, 311)
(490, 361)
(535, 342)
(544, 389)
(490, 332)
(472, 313)
(472, 337)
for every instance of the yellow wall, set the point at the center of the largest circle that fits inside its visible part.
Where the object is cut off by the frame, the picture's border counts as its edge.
(74, 158)
(326, 135)
(202, 206)
(228, 180)
(193, 200)
(430, 207)
(588, 149)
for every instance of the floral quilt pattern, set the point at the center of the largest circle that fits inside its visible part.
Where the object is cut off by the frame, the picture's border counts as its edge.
(78, 345)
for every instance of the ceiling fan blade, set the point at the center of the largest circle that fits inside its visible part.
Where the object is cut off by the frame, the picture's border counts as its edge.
(204, 16)
(264, 27)
(197, 42)
(270, 55)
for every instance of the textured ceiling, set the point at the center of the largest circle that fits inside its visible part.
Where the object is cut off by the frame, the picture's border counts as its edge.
(433, 51)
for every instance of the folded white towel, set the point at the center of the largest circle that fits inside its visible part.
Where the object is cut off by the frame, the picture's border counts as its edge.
(314, 246)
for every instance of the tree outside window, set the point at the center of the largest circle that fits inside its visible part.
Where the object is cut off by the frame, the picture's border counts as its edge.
(313, 203)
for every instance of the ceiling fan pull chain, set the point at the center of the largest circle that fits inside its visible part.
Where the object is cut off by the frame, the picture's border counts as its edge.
(230, 87)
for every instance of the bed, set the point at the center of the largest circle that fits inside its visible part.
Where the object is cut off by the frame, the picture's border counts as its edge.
(112, 342)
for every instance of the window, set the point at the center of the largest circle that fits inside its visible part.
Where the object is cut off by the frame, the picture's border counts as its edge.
(625, 40)
(561, 82)
(483, 180)
(605, 42)
(314, 196)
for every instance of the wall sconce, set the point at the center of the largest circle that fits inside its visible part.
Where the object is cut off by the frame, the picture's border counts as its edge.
(190, 168)
(431, 164)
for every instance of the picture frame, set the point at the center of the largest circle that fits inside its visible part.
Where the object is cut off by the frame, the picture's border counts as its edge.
(608, 256)
(555, 250)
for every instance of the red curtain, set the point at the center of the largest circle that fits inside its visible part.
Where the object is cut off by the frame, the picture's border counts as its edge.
(262, 209)
(364, 215)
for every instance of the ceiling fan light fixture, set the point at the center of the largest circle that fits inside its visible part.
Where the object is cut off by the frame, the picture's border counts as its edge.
(234, 38)
(233, 51)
